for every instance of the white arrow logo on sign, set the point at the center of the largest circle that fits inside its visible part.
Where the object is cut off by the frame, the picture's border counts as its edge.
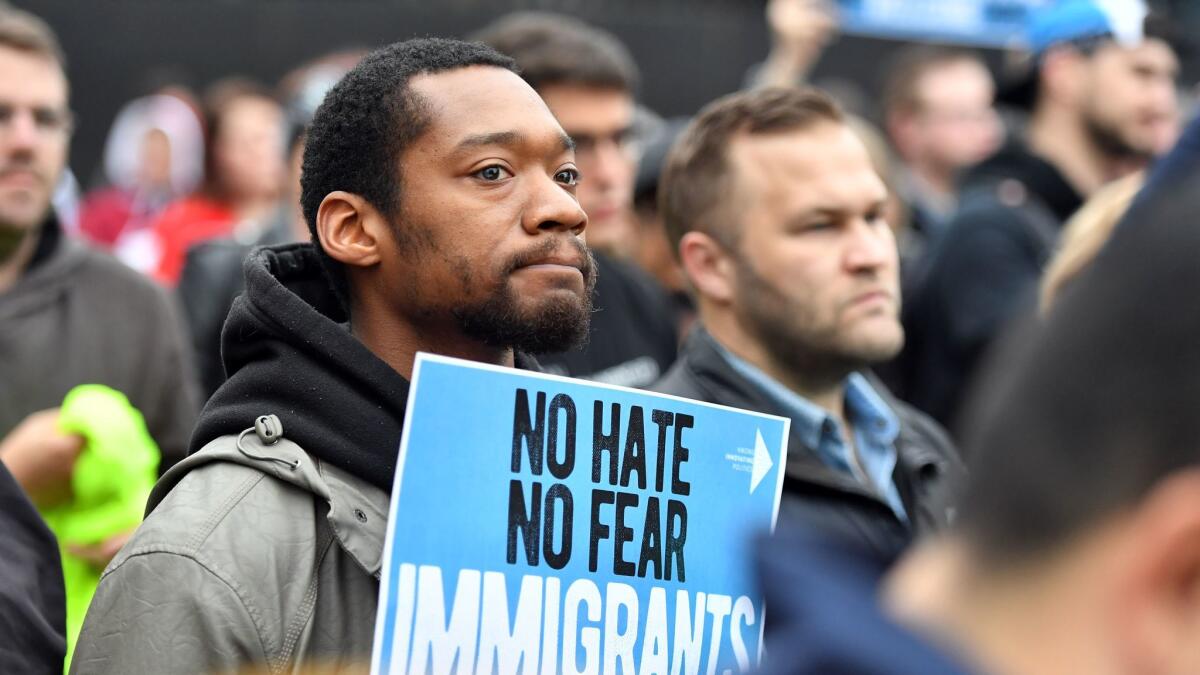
(762, 461)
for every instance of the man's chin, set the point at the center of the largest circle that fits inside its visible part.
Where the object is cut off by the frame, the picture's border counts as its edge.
(877, 350)
(557, 323)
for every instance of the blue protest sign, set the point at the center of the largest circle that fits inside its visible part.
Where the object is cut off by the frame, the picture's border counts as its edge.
(986, 23)
(544, 525)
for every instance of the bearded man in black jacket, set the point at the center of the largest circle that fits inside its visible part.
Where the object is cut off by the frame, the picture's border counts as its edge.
(440, 192)
(776, 213)
(1103, 104)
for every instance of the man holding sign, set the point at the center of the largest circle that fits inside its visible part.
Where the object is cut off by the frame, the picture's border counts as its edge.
(777, 216)
(440, 193)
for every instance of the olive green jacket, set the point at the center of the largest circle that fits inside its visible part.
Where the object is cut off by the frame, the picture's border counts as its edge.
(253, 558)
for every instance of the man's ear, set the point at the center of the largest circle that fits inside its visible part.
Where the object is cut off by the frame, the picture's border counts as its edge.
(350, 229)
(1159, 596)
(709, 266)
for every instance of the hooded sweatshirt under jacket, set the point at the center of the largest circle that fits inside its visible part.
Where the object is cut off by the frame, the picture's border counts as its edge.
(265, 552)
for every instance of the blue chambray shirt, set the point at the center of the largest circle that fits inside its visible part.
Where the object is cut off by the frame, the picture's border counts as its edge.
(875, 429)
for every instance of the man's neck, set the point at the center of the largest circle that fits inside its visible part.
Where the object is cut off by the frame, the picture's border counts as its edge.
(16, 250)
(826, 389)
(1059, 137)
(397, 342)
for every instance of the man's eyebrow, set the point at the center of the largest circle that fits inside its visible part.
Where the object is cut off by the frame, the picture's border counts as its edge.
(494, 138)
(506, 138)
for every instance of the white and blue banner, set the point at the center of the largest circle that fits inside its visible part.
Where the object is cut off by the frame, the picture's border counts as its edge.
(985, 23)
(545, 525)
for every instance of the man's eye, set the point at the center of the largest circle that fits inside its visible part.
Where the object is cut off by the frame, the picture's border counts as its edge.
(492, 173)
(567, 177)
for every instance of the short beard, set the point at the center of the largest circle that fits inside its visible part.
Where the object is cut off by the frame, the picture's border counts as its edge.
(555, 326)
(788, 334)
(1109, 141)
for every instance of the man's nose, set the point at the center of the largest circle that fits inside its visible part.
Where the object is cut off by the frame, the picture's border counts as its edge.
(552, 207)
(20, 131)
(870, 246)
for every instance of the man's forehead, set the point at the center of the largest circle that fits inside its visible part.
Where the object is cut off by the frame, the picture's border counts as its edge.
(803, 152)
(825, 158)
(32, 75)
(480, 100)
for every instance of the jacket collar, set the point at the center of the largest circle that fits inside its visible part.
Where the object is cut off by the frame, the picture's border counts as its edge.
(713, 373)
(358, 516)
(358, 510)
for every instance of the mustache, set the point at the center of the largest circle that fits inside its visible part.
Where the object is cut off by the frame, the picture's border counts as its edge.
(547, 249)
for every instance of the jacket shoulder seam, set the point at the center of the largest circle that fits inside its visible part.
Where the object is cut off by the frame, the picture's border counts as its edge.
(218, 514)
(304, 612)
(213, 570)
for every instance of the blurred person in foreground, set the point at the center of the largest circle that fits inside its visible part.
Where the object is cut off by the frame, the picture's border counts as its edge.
(588, 79)
(1105, 104)
(444, 219)
(243, 175)
(212, 272)
(937, 106)
(71, 317)
(777, 214)
(32, 599)
(1077, 546)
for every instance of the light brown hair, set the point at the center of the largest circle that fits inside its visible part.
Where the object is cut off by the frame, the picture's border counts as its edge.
(1086, 233)
(25, 32)
(697, 180)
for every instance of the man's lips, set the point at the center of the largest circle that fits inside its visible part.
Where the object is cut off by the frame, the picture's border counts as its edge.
(556, 263)
(877, 295)
(20, 178)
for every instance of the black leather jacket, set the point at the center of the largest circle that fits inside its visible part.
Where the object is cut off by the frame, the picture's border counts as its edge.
(928, 470)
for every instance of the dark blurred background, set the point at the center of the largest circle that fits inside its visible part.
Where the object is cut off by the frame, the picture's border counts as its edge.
(690, 51)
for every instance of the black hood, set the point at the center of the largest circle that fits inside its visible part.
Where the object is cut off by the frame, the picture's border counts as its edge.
(288, 352)
(1016, 162)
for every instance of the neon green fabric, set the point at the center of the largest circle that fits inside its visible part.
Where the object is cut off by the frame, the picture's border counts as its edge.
(110, 483)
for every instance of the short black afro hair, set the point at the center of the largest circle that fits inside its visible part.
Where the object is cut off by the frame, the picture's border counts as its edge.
(368, 119)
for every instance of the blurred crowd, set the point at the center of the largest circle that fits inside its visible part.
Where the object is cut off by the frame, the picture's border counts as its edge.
(866, 261)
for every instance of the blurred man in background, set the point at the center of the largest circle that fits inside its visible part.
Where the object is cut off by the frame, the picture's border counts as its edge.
(1105, 103)
(937, 106)
(68, 315)
(777, 214)
(588, 79)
